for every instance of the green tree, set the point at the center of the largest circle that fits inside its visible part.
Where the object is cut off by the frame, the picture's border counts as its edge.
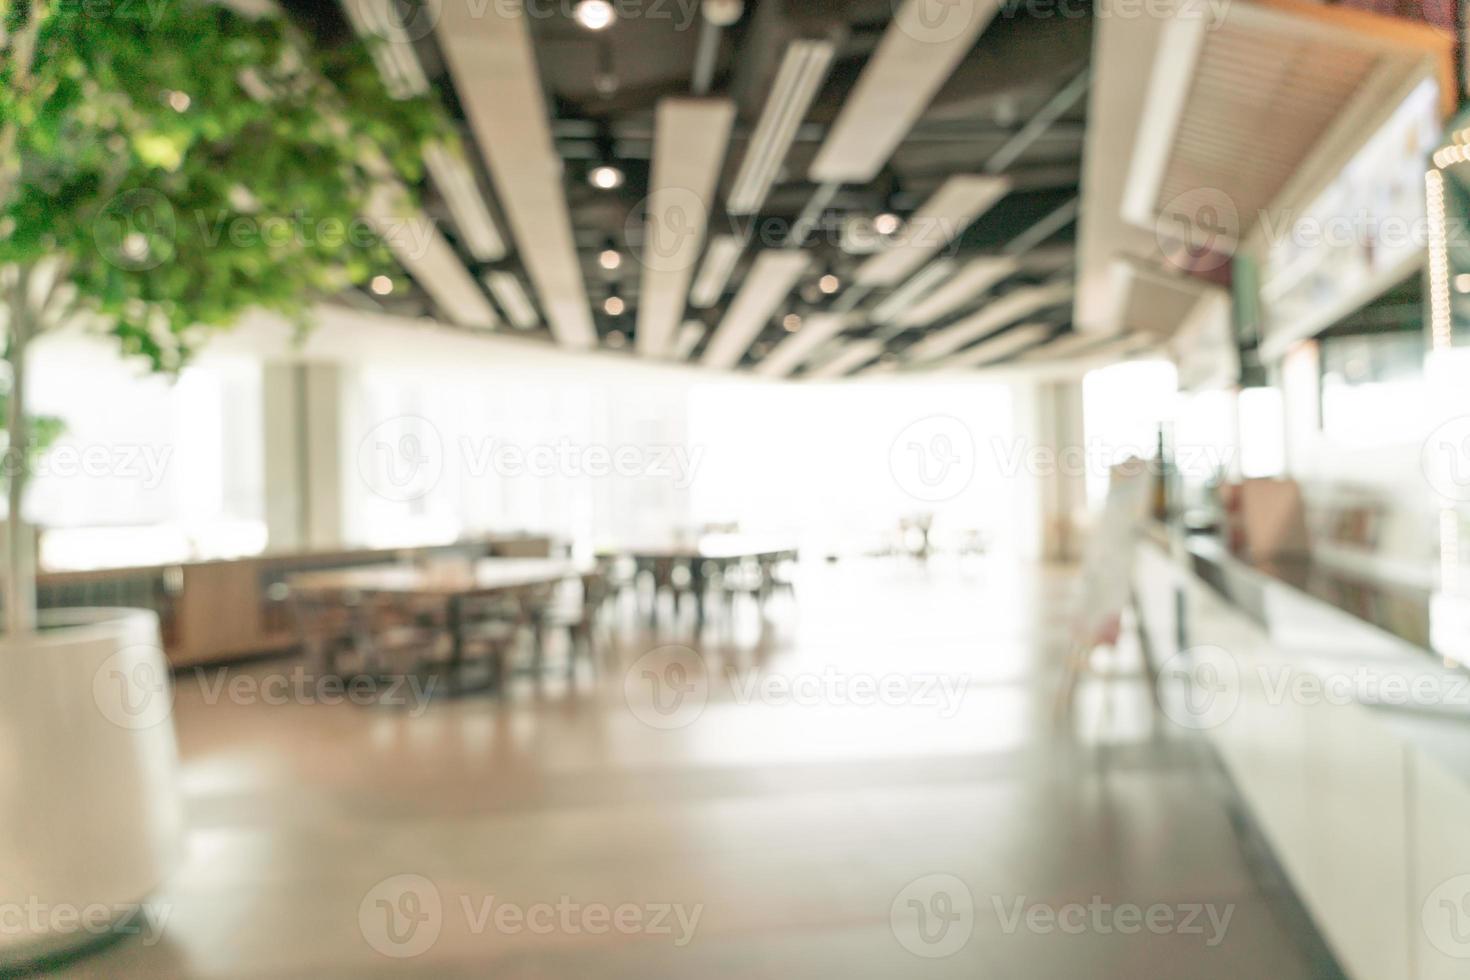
(167, 166)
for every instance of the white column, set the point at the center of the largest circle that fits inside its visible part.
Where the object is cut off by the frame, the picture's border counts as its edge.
(303, 456)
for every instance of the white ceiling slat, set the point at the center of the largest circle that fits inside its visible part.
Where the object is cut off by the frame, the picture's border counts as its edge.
(419, 247)
(847, 360)
(1007, 309)
(797, 349)
(802, 72)
(719, 262)
(920, 49)
(1064, 346)
(971, 282)
(948, 212)
(690, 333)
(690, 137)
(766, 287)
(456, 183)
(1001, 347)
(489, 53)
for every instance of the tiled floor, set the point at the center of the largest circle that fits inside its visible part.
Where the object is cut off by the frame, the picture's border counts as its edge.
(849, 816)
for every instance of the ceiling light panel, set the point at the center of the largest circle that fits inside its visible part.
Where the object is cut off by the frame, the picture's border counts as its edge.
(919, 286)
(690, 137)
(489, 53)
(419, 247)
(847, 360)
(797, 349)
(803, 69)
(969, 284)
(689, 336)
(766, 286)
(719, 262)
(391, 42)
(943, 218)
(1065, 346)
(511, 296)
(1007, 309)
(922, 46)
(998, 348)
(457, 184)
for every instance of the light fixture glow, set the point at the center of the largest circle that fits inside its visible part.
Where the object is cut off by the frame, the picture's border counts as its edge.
(610, 259)
(511, 295)
(382, 285)
(719, 262)
(606, 177)
(921, 47)
(723, 13)
(614, 306)
(791, 322)
(595, 15)
(829, 284)
(944, 216)
(456, 183)
(690, 136)
(886, 223)
(803, 69)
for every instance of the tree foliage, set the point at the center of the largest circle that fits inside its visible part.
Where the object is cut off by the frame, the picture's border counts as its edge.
(181, 163)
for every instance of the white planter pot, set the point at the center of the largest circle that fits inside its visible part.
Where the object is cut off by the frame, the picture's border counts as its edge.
(89, 802)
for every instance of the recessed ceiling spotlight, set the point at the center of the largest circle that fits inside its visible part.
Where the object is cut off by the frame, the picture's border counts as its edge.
(610, 259)
(723, 13)
(381, 285)
(792, 322)
(606, 177)
(829, 284)
(616, 339)
(886, 223)
(595, 15)
(1462, 282)
(614, 306)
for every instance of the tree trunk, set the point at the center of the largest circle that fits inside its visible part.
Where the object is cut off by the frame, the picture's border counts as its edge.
(20, 580)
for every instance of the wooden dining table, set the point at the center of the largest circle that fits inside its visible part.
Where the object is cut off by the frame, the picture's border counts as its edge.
(696, 553)
(454, 584)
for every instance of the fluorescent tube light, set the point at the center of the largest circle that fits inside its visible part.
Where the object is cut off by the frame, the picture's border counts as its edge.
(419, 247)
(690, 138)
(919, 50)
(511, 295)
(457, 183)
(795, 350)
(948, 212)
(1003, 346)
(489, 54)
(910, 292)
(847, 360)
(969, 284)
(770, 281)
(391, 43)
(1007, 309)
(719, 262)
(689, 336)
(803, 69)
